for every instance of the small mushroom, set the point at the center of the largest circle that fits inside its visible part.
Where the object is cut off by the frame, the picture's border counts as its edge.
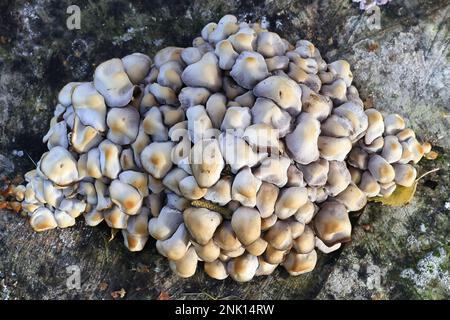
(136, 179)
(332, 223)
(236, 119)
(83, 138)
(163, 94)
(169, 75)
(57, 136)
(353, 198)
(257, 248)
(393, 123)
(216, 108)
(306, 212)
(269, 44)
(216, 269)
(93, 168)
(243, 40)
(277, 63)
(116, 218)
(206, 162)
(126, 160)
(42, 219)
(167, 54)
(199, 124)
(93, 217)
(89, 105)
(315, 173)
(274, 256)
(358, 158)
(331, 148)
(190, 189)
(267, 223)
(246, 223)
(165, 225)
(305, 243)
(315, 104)
(226, 54)
(392, 149)
(111, 80)
(249, 69)
(265, 111)
(59, 166)
(236, 152)
(243, 268)
(265, 268)
(126, 197)
(156, 158)
(226, 26)
(109, 159)
(204, 73)
(289, 201)
(73, 207)
(245, 187)
(298, 263)
(65, 95)
(380, 169)
(302, 143)
(339, 178)
(279, 236)
(191, 55)
(226, 238)
(341, 70)
(354, 113)
(283, 91)
(369, 185)
(375, 128)
(405, 174)
(137, 66)
(123, 125)
(187, 265)
(154, 126)
(336, 90)
(201, 223)
(374, 147)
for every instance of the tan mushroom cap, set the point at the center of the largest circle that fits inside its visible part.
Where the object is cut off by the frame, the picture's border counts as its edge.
(187, 265)
(153, 124)
(89, 106)
(316, 173)
(126, 160)
(285, 92)
(265, 111)
(109, 159)
(156, 158)
(245, 187)
(167, 54)
(226, 54)
(201, 223)
(277, 63)
(279, 236)
(42, 219)
(249, 69)
(392, 149)
(332, 223)
(405, 174)
(274, 170)
(226, 238)
(246, 223)
(164, 226)
(191, 55)
(306, 242)
(93, 217)
(274, 256)
(206, 162)
(164, 95)
(298, 263)
(339, 177)
(208, 252)
(111, 80)
(375, 128)
(352, 197)
(65, 95)
(243, 40)
(125, 196)
(289, 201)
(203, 73)
(341, 69)
(236, 118)
(175, 247)
(257, 248)
(59, 166)
(374, 147)
(216, 269)
(369, 184)
(172, 180)
(134, 242)
(269, 44)
(226, 26)
(190, 189)
(306, 212)
(73, 207)
(236, 152)
(243, 268)
(137, 66)
(116, 218)
(169, 75)
(336, 149)
(123, 125)
(93, 168)
(83, 138)
(336, 126)
(358, 158)
(265, 268)
(393, 123)
(381, 169)
(266, 198)
(336, 90)
(302, 143)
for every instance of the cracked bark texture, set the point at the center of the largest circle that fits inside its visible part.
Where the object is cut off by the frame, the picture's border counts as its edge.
(396, 253)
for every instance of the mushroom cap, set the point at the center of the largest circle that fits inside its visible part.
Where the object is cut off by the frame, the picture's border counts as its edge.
(375, 128)
(206, 162)
(243, 268)
(176, 246)
(246, 223)
(125, 196)
(393, 123)
(245, 187)
(265, 111)
(220, 192)
(279, 236)
(187, 265)
(316, 173)
(298, 263)
(339, 177)
(42, 219)
(264, 268)
(59, 166)
(352, 197)
(226, 238)
(156, 158)
(332, 224)
(190, 189)
(109, 159)
(65, 95)
(302, 143)
(369, 184)
(306, 242)
(269, 44)
(123, 125)
(153, 124)
(257, 248)
(249, 69)
(274, 170)
(236, 152)
(216, 269)
(89, 105)
(405, 174)
(336, 149)
(381, 169)
(289, 201)
(116, 218)
(266, 198)
(201, 223)
(392, 149)
(164, 226)
(204, 73)
(137, 66)
(111, 80)
(285, 92)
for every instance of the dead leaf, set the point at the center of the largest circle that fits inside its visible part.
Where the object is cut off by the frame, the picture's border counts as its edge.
(432, 155)
(119, 294)
(402, 195)
(368, 103)
(113, 234)
(163, 296)
(103, 286)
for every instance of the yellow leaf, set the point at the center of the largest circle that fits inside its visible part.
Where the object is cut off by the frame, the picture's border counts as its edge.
(400, 196)
(113, 234)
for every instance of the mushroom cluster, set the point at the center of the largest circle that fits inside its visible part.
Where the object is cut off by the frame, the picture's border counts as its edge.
(243, 151)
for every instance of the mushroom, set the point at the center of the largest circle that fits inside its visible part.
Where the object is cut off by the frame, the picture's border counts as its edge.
(226, 54)
(331, 148)
(302, 143)
(190, 189)
(298, 263)
(167, 54)
(243, 268)
(216, 269)
(380, 169)
(393, 123)
(116, 218)
(65, 95)
(249, 69)
(73, 207)
(315, 173)
(236, 119)
(263, 137)
(169, 75)
(156, 158)
(123, 125)
(405, 174)
(279, 236)
(339, 178)
(336, 126)
(352, 197)
(89, 106)
(136, 234)
(93, 168)
(164, 95)
(111, 80)
(306, 212)
(315, 104)
(216, 108)
(375, 128)
(175, 246)
(369, 185)
(257, 248)
(277, 63)
(231, 88)
(243, 40)
(246, 223)
(57, 136)
(191, 55)
(206, 162)
(245, 187)
(392, 149)
(289, 201)
(153, 125)
(274, 256)
(136, 179)
(165, 225)
(354, 113)
(283, 91)
(126, 160)
(267, 223)
(42, 219)
(226, 26)
(220, 192)
(109, 159)
(305, 243)
(137, 66)
(236, 152)
(201, 223)
(93, 217)
(125, 196)
(332, 224)
(204, 73)
(59, 166)
(83, 138)
(265, 111)
(199, 124)
(305, 49)
(358, 158)
(187, 265)
(374, 147)
(341, 70)
(269, 44)
(208, 252)
(265, 268)
(326, 249)
(266, 198)
(226, 238)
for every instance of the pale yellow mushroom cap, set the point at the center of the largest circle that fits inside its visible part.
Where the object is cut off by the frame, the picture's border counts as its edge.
(298, 263)
(246, 223)
(42, 219)
(243, 268)
(201, 223)
(332, 223)
(59, 166)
